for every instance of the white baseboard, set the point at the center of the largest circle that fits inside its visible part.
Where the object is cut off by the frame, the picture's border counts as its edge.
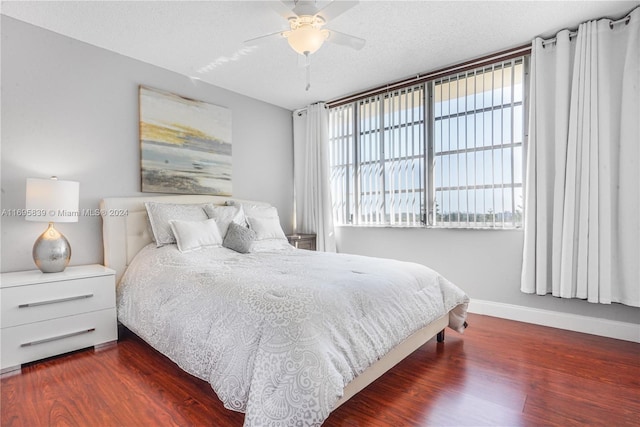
(572, 322)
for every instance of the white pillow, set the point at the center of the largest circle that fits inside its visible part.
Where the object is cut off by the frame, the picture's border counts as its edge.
(266, 227)
(261, 211)
(225, 215)
(255, 209)
(193, 235)
(161, 213)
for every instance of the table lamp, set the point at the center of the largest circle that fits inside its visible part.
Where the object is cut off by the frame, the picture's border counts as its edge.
(52, 200)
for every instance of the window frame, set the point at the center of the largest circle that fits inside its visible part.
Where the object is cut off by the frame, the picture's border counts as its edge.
(427, 214)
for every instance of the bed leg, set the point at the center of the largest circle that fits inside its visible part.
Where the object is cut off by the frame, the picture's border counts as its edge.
(440, 336)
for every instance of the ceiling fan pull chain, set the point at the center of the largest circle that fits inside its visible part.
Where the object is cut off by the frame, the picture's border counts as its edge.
(308, 67)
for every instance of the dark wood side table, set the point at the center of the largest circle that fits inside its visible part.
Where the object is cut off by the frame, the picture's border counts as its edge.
(303, 241)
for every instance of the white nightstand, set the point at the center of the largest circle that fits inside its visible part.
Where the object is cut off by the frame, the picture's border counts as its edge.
(46, 314)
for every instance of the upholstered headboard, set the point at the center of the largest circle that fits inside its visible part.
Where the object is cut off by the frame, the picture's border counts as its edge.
(124, 225)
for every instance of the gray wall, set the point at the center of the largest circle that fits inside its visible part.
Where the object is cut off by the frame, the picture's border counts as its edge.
(71, 109)
(485, 263)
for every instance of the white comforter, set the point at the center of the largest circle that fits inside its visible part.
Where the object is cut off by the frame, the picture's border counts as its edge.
(279, 332)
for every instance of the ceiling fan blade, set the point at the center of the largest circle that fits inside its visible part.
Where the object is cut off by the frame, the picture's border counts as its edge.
(346, 40)
(283, 8)
(335, 8)
(305, 7)
(264, 39)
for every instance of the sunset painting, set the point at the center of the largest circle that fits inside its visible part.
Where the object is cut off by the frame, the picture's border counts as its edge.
(185, 145)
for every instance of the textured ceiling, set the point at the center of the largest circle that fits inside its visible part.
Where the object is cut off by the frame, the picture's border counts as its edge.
(203, 39)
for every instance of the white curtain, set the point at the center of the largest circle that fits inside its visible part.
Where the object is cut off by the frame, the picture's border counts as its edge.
(311, 176)
(582, 223)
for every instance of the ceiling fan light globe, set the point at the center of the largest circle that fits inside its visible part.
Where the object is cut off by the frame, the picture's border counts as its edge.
(306, 39)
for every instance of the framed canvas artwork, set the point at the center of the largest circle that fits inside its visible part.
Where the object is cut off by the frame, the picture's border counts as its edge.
(185, 145)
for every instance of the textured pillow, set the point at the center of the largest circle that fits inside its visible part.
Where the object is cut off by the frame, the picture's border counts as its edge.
(225, 215)
(193, 235)
(161, 213)
(261, 211)
(255, 209)
(266, 228)
(239, 238)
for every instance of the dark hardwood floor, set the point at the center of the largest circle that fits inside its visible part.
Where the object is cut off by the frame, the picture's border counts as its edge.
(499, 372)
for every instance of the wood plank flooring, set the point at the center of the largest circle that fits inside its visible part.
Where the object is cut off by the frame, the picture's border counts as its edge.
(499, 372)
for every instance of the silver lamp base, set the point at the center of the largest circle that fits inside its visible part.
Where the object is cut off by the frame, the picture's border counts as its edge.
(51, 252)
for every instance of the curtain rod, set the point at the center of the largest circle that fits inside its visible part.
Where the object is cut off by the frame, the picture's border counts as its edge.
(303, 110)
(573, 33)
(420, 78)
(625, 19)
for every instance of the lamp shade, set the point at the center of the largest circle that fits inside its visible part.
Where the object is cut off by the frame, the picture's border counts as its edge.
(52, 200)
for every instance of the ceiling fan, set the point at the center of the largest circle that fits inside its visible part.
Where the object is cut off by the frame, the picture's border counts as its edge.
(306, 34)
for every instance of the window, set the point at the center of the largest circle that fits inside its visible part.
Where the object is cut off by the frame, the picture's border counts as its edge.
(378, 161)
(478, 134)
(455, 161)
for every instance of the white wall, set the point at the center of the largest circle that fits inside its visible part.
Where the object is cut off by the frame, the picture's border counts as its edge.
(485, 263)
(71, 109)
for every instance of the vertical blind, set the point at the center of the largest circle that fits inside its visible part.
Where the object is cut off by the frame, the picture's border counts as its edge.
(454, 161)
(478, 135)
(342, 160)
(378, 158)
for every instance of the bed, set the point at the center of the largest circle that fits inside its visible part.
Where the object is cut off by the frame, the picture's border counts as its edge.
(282, 334)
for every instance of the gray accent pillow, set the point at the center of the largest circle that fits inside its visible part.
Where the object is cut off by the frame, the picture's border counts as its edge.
(239, 238)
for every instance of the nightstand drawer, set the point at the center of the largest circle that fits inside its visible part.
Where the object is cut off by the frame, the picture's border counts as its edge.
(303, 241)
(308, 244)
(26, 343)
(43, 301)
